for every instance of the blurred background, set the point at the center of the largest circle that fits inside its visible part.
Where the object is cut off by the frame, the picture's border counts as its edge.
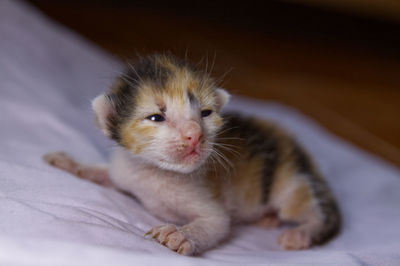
(338, 61)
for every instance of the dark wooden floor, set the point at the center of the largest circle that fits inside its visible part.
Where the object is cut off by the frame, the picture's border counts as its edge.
(349, 81)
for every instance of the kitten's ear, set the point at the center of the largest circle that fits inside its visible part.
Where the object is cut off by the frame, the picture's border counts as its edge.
(222, 97)
(102, 107)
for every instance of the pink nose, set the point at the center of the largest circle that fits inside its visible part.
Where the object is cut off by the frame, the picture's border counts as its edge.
(192, 133)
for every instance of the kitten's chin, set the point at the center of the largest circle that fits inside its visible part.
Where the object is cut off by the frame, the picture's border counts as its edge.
(180, 167)
(187, 165)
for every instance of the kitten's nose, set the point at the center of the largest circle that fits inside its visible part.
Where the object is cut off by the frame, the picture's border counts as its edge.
(192, 133)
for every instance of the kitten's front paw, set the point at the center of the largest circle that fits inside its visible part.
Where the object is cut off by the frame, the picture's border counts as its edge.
(169, 236)
(295, 239)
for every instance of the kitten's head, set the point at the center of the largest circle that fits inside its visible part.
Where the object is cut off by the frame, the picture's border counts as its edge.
(164, 111)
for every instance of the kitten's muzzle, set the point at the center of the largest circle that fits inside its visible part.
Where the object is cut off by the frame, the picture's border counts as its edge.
(191, 134)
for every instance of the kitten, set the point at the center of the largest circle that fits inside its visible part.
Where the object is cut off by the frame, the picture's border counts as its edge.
(199, 170)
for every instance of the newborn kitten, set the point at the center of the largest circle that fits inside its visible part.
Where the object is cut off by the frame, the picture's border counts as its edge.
(200, 170)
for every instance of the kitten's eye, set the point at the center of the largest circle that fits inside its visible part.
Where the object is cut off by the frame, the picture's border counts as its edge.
(156, 118)
(205, 113)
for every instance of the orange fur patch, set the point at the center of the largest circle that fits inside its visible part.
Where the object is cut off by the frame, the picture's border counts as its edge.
(297, 203)
(134, 136)
(127, 138)
(290, 194)
(247, 182)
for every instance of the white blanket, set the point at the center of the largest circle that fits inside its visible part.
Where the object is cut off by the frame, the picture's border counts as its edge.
(48, 76)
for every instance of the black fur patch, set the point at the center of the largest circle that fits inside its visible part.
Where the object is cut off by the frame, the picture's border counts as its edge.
(260, 142)
(192, 98)
(325, 199)
(148, 69)
(303, 161)
(123, 98)
(328, 207)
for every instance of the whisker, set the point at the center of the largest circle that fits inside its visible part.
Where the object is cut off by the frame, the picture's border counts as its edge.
(213, 63)
(219, 161)
(227, 149)
(207, 64)
(134, 70)
(130, 83)
(213, 162)
(223, 157)
(232, 138)
(218, 157)
(225, 130)
(220, 81)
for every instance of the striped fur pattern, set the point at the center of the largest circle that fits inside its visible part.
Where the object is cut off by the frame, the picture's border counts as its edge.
(279, 165)
(200, 170)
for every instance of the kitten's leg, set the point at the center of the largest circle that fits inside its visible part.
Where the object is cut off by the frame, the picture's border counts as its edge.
(95, 173)
(309, 203)
(210, 227)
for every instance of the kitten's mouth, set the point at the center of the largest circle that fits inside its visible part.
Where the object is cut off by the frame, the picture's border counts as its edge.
(187, 160)
(191, 154)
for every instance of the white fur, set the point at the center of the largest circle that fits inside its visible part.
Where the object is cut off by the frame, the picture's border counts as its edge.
(177, 198)
(102, 108)
(223, 97)
(171, 190)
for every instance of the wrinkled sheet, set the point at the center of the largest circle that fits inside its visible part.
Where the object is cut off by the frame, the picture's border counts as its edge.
(48, 75)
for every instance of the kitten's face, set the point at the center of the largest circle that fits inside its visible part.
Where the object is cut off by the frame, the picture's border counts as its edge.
(175, 127)
(173, 123)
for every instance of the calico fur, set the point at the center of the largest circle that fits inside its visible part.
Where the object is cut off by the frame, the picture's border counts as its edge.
(201, 170)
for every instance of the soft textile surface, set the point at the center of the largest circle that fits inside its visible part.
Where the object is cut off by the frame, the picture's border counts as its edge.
(47, 78)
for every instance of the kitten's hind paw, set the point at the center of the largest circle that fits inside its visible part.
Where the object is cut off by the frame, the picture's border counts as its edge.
(60, 160)
(269, 221)
(294, 239)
